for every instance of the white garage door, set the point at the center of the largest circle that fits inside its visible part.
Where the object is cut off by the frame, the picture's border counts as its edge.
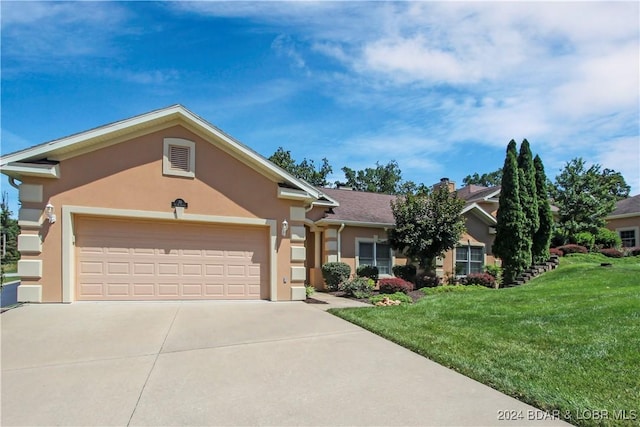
(139, 260)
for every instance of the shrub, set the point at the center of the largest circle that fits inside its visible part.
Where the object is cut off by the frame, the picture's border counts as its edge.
(612, 253)
(309, 290)
(405, 272)
(428, 280)
(606, 238)
(370, 271)
(558, 238)
(573, 249)
(584, 238)
(634, 250)
(496, 272)
(358, 287)
(398, 296)
(451, 278)
(335, 273)
(395, 284)
(556, 251)
(482, 279)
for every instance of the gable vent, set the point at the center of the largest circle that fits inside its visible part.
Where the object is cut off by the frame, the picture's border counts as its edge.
(179, 158)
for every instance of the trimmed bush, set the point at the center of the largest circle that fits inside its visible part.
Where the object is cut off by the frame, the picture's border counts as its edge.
(398, 296)
(359, 287)
(428, 280)
(584, 238)
(370, 271)
(405, 272)
(607, 239)
(573, 249)
(612, 253)
(482, 279)
(395, 284)
(335, 273)
(556, 251)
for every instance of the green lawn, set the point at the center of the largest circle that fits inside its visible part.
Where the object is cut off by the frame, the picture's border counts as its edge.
(567, 341)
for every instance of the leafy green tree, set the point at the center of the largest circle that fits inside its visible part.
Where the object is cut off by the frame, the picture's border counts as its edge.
(490, 179)
(428, 223)
(381, 179)
(542, 236)
(585, 196)
(616, 184)
(10, 230)
(305, 170)
(528, 196)
(511, 230)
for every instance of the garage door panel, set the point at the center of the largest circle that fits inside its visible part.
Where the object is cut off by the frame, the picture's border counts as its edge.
(117, 289)
(89, 267)
(143, 289)
(120, 260)
(143, 269)
(118, 268)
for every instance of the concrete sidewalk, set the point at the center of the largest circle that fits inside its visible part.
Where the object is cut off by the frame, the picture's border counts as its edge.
(225, 363)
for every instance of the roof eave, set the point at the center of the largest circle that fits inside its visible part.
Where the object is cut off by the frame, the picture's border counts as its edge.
(20, 169)
(329, 221)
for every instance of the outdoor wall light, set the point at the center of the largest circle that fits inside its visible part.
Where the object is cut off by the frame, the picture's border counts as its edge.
(285, 227)
(48, 212)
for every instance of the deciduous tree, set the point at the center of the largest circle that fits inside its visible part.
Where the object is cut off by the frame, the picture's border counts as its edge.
(490, 179)
(428, 223)
(586, 196)
(381, 179)
(305, 170)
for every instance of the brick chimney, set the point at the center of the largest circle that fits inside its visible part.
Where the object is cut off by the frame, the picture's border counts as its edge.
(445, 182)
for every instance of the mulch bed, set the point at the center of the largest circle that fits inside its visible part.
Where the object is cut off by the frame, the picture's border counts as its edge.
(415, 295)
(310, 300)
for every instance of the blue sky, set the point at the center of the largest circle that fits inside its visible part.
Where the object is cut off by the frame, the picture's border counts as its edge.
(439, 87)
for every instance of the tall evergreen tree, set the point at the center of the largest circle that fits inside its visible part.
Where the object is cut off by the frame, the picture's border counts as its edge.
(510, 242)
(542, 236)
(528, 196)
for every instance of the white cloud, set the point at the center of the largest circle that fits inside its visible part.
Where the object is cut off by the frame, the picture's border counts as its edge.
(42, 31)
(285, 46)
(623, 155)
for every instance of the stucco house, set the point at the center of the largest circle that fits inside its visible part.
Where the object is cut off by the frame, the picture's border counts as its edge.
(165, 206)
(625, 220)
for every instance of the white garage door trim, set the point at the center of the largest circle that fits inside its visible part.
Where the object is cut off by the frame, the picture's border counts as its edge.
(68, 238)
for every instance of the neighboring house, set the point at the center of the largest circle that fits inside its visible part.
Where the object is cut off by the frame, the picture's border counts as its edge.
(165, 206)
(625, 220)
(355, 232)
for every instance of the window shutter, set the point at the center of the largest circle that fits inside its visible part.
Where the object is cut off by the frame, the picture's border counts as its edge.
(179, 158)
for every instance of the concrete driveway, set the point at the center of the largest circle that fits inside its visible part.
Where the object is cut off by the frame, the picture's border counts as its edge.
(225, 363)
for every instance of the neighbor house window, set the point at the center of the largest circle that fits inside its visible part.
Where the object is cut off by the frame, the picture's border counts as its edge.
(179, 157)
(375, 254)
(469, 259)
(628, 237)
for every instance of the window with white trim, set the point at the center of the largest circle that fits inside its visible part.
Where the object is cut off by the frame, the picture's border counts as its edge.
(628, 237)
(469, 259)
(375, 254)
(179, 157)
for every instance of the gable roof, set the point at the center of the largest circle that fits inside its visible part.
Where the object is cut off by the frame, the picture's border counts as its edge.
(627, 207)
(474, 193)
(360, 208)
(41, 160)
